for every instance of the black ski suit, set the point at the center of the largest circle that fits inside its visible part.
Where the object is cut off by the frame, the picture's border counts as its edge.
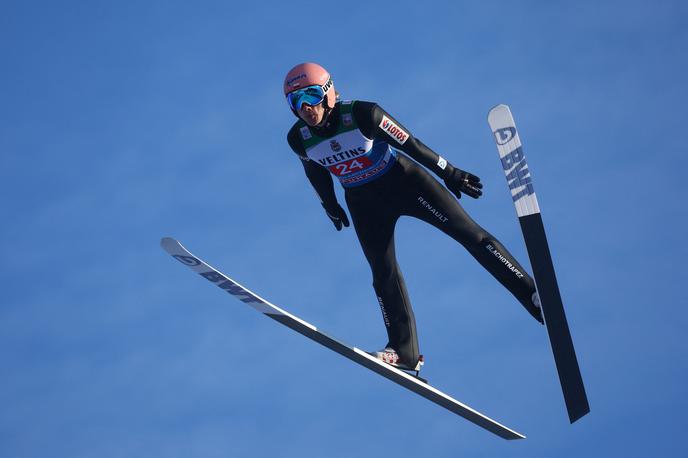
(364, 147)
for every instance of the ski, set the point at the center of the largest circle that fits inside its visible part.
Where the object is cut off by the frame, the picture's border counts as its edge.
(181, 254)
(520, 183)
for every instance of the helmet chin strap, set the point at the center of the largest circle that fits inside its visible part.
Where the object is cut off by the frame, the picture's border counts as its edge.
(326, 114)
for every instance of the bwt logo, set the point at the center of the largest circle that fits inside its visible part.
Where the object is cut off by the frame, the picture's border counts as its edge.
(517, 174)
(231, 287)
(220, 280)
(504, 135)
(187, 260)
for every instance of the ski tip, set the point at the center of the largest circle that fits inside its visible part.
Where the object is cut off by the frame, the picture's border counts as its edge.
(167, 242)
(498, 108)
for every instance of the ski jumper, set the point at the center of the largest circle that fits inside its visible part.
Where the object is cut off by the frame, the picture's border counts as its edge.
(366, 149)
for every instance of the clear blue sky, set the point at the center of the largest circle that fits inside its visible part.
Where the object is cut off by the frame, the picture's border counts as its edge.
(122, 122)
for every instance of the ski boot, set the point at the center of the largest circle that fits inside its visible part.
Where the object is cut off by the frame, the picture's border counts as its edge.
(536, 310)
(390, 356)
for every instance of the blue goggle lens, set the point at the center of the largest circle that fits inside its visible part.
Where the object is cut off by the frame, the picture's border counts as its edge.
(312, 95)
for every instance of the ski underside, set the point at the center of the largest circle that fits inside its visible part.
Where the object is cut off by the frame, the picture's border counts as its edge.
(528, 210)
(417, 385)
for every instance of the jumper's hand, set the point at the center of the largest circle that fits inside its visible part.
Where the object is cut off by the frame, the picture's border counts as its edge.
(460, 181)
(337, 214)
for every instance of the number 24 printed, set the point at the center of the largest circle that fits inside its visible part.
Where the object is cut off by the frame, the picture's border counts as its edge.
(349, 166)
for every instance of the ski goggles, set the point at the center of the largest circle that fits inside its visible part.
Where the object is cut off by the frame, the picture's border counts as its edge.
(312, 95)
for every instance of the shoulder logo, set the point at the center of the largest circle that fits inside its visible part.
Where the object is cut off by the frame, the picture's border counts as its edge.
(504, 135)
(394, 131)
(336, 147)
(347, 120)
(305, 133)
(442, 163)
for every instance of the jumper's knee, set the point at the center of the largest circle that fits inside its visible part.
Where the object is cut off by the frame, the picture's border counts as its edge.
(477, 239)
(384, 272)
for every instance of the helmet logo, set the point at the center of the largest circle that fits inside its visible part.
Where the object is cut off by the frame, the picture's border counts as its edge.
(336, 147)
(292, 82)
(326, 87)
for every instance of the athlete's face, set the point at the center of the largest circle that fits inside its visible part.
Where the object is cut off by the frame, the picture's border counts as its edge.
(312, 114)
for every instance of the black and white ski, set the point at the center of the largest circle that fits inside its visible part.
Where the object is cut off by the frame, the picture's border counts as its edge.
(361, 357)
(523, 194)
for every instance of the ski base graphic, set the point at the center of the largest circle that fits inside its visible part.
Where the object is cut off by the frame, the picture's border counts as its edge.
(523, 195)
(177, 251)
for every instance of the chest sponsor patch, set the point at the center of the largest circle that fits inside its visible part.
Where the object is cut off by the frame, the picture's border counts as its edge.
(393, 130)
(305, 133)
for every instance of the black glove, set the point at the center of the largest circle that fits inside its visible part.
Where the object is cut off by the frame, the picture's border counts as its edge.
(459, 181)
(337, 214)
